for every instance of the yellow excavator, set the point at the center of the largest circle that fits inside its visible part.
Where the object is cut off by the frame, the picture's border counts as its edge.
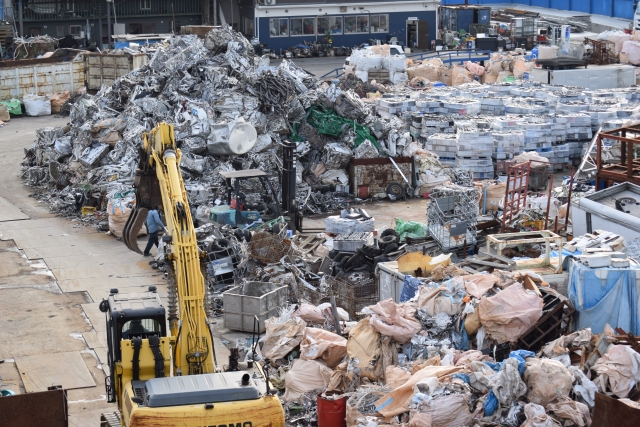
(169, 378)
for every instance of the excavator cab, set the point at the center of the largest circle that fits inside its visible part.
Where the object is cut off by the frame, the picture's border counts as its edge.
(131, 317)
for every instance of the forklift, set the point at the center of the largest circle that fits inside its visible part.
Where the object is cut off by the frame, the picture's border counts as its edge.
(238, 213)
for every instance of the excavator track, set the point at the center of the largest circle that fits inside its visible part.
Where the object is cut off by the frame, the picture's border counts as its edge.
(110, 419)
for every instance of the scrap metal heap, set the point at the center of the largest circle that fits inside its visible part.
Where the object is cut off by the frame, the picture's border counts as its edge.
(208, 90)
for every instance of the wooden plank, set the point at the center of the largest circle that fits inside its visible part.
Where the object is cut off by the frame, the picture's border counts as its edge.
(498, 257)
(40, 371)
(492, 264)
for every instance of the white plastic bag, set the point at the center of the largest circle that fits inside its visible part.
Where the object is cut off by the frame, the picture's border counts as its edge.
(36, 105)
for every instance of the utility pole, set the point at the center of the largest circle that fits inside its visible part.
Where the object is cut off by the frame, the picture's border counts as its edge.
(109, 23)
(215, 12)
(21, 21)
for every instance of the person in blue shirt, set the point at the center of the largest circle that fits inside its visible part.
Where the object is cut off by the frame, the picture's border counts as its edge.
(154, 225)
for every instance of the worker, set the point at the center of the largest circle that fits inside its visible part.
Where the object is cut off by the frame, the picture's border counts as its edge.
(154, 225)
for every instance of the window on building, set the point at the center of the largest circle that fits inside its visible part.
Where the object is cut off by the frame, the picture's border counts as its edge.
(145, 4)
(363, 23)
(60, 31)
(356, 24)
(308, 26)
(379, 23)
(278, 27)
(176, 28)
(330, 23)
(75, 30)
(296, 26)
(142, 28)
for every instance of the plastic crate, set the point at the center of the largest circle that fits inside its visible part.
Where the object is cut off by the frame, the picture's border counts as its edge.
(350, 242)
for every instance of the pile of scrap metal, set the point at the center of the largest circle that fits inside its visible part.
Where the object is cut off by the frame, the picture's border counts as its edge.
(230, 109)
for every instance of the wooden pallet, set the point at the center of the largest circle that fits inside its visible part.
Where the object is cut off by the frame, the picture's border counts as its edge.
(486, 262)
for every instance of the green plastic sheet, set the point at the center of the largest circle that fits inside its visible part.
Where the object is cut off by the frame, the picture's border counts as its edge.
(413, 229)
(327, 122)
(13, 105)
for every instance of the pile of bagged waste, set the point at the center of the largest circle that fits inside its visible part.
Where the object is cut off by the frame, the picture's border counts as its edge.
(459, 350)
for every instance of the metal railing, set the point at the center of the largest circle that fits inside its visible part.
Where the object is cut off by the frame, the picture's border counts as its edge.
(82, 9)
(337, 72)
(452, 56)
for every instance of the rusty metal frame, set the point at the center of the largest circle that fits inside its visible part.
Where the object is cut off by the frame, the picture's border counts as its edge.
(628, 170)
(496, 243)
(515, 197)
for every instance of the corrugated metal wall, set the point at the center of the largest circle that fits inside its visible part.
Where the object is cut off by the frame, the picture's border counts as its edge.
(617, 8)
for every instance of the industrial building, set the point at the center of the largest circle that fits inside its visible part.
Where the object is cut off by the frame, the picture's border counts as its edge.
(280, 24)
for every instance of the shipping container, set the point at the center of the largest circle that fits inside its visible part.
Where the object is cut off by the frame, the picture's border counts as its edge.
(104, 69)
(41, 76)
(593, 77)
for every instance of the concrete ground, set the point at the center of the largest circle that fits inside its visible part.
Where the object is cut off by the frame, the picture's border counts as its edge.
(53, 274)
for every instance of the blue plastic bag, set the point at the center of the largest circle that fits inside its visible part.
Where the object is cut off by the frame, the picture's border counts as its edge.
(490, 404)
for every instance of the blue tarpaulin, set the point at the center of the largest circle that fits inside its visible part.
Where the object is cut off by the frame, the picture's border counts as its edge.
(409, 288)
(604, 295)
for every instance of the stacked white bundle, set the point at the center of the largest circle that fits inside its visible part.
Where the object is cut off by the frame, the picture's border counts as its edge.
(508, 144)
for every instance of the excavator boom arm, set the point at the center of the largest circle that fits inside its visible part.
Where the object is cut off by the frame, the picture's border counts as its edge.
(159, 178)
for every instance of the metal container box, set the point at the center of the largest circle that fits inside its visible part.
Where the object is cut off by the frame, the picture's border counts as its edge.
(390, 281)
(242, 303)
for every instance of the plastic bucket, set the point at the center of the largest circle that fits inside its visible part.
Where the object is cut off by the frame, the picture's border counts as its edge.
(332, 413)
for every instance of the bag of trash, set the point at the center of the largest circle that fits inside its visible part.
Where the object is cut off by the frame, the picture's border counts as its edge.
(506, 384)
(4, 113)
(537, 417)
(508, 314)
(461, 76)
(321, 344)
(547, 379)
(445, 410)
(413, 229)
(36, 105)
(475, 68)
(537, 161)
(118, 211)
(420, 419)
(396, 402)
(618, 370)
(58, 100)
(477, 285)
(282, 338)
(395, 376)
(305, 376)
(327, 311)
(363, 345)
(566, 409)
(394, 320)
(446, 298)
(14, 106)
(310, 314)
